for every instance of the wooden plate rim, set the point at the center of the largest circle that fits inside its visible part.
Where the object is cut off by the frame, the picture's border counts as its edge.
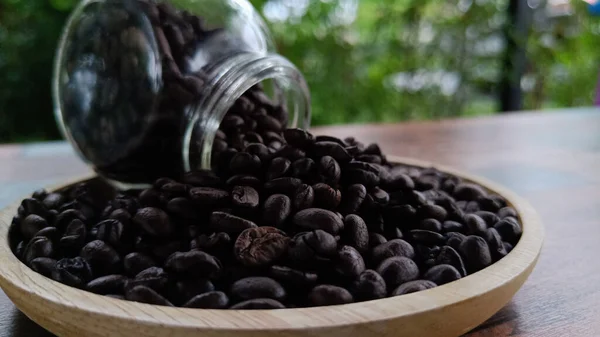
(15, 278)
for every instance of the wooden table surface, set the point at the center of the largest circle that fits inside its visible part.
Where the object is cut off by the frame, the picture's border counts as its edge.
(551, 158)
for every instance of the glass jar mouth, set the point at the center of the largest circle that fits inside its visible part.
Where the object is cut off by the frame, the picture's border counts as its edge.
(230, 80)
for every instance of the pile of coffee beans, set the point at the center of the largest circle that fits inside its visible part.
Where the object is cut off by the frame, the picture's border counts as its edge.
(296, 221)
(132, 131)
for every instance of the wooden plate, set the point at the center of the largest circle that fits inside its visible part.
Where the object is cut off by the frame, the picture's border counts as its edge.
(448, 310)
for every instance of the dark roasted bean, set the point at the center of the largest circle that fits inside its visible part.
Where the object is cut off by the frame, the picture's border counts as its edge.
(509, 229)
(225, 222)
(397, 270)
(507, 212)
(304, 168)
(75, 272)
(349, 262)
(432, 211)
(293, 277)
(468, 191)
(475, 224)
(442, 274)
(329, 170)
(276, 210)
(74, 237)
(490, 218)
(278, 168)
(326, 197)
(396, 247)
(245, 197)
(53, 200)
(353, 198)
(454, 239)
(135, 262)
(413, 286)
(32, 224)
(453, 226)
(332, 149)
(208, 196)
(109, 284)
(303, 197)
(243, 162)
(102, 258)
(358, 176)
(299, 138)
(258, 304)
(244, 180)
(260, 246)
(356, 233)
(376, 239)
(43, 265)
(305, 247)
(316, 218)
(146, 295)
(195, 263)
(494, 241)
(285, 185)
(209, 300)
(326, 294)
(431, 225)
(448, 255)
(369, 286)
(250, 288)
(427, 237)
(153, 221)
(38, 247)
(475, 253)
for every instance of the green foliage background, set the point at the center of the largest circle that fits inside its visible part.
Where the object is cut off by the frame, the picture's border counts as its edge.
(447, 54)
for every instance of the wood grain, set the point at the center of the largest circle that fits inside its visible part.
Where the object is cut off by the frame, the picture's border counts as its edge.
(445, 311)
(550, 158)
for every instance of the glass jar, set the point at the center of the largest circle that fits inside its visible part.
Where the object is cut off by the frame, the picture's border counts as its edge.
(146, 89)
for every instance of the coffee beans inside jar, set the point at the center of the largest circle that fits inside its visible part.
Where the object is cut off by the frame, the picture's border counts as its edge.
(283, 222)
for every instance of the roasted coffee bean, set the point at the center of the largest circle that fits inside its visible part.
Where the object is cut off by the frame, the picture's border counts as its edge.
(195, 263)
(260, 246)
(122, 215)
(38, 247)
(397, 270)
(146, 295)
(329, 170)
(278, 168)
(353, 198)
(111, 231)
(276, 210)
(448, 255)
(228, 223)
(243, 162)
(369, 286)
(304, 247)
(293, 277)
(172, 190)
(468, 192)
(509, 229)
(289, 152)
(399, 181)
(453, 226)
(491, 203)
(316, 218)
(349, 262)
(285, 185)
(430, 225)
(475, 253)
(490, 218)
(396, 247)
(201, 178)
(356, 233)
(74, 237)
(442, 274)
(33, 206)
(432, 211)
(32, 224)
(454, 239)
(102, 258)
(186, 289)
(475, 225)
(244, 180)
(332, 149)
(43, 265)
(326, 294)
(209, 300)
(65, 217)
(259, 150)
(135, 262)
(150, 197)
(508, 247)
(109, 284)
(471, 207)
(494, 241)
(266, 122)
(413, 287)
(326, 197)
(258, 304)
(359, 176)
(427, 237)
(379, 196)
(507, 212)
(245, 197)
(325, 138)
(183, 208)
(75, 272)
(299, 138)
(20, 250)
(53, 200)
(376, 239)
(153, 277)
(209, 196)
(303, 197)
(216, 243)
(304, 168)
(39, 194)
(250, 288)
(153, 221)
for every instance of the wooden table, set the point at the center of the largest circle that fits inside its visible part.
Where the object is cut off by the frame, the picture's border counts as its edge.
(551, 158)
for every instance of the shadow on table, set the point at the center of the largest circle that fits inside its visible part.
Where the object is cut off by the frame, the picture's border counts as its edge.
(20, 325)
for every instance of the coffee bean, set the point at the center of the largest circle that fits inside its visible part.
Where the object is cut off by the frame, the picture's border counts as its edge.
(453, 226)
(332, 149)
(448, 255)
(397, 270)
(172, 190)
(75, 272)
(293, 277)
(396, 247)
(146, 295)
(209, 300)
(65, 217)
(216, 243)
(135, 262)
(201, 178)
(154, 277)
(111, 231)
(413, 287)
(208, 196)
(494, 241)
(225, 222)
(33, 206)
(325, 138)
(269, 123)
(153, 221)
(304, 247)
(358, 176)
(427, 237)
(442, 274)
(74, 237)
(475, 253)
(325, 294)
(285, 185)
(475, 225)
(299, 138)
(507, 212)
(38, 247)
(183, 208)
(349, 262)
(356, 233)
(353, 198)
(399, 182)
(258, 304)
(492, 203)
(186, 289)
(109, 284)
(431, 225)
(316, 218)
(243, 162)
(454, 239)
(43, 265)
(325, 196)
(53, 200)
(278, 168)
(432, 211)
(303, 197)
(369, 286)
(194, 263)
(329, 170)
(257, 287)
(102, 258)
(260, 246)
(508, 247)
(490, 218)
(32, 224)
(245, 197)
(468, 191)
(376, 239)
(509, 229)
(276, 210)
(244, 180)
